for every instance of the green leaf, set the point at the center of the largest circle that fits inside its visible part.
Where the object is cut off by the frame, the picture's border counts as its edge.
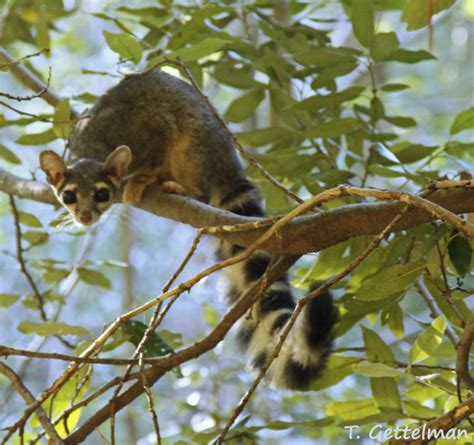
(417, 12)
(378, 370)
(199, 50)
(390, 281)
(330, 100)
(336, 370)
(51, 328)
(125, 45)
(244, 107)
(406, 56)
(460, 253)
(401, 121)
(383, 45)
(62, 126)
(29, 220)
(9, 156)
(384, 386)
(428, 341)
(37, 138)
(93, 277)
(407, 152)
(334, 128)
(393, 316)
(36, 238)
(74, 389)
(463, 121)
(352, 409)
(324, 57)
(375, 347)
(263, 136)
(363, 21)
(210, 315)
(8, 299)
(53, 275)
(389, 87)
(157, 345)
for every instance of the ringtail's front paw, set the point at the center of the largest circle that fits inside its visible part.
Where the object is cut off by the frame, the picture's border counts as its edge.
(174, 188)
(136, 185)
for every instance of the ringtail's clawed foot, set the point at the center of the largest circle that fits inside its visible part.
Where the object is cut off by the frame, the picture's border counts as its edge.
(136, 185)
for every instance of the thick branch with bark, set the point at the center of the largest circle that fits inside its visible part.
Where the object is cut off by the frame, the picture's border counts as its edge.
(443, 423)
(302, 235)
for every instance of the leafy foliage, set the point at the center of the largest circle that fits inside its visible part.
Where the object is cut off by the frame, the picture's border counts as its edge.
(372, 109)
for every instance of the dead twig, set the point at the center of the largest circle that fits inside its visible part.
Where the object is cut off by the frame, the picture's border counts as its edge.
(31, 96)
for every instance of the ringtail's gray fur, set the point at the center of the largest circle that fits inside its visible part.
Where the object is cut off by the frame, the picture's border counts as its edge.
(156, 128)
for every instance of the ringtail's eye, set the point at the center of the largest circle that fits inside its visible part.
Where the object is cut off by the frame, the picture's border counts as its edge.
(69, 197)
(102, 195)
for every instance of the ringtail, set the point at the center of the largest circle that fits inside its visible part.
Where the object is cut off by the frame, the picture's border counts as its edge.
(155, 128)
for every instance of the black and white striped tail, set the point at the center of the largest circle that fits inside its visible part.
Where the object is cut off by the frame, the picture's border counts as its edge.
(309, 342)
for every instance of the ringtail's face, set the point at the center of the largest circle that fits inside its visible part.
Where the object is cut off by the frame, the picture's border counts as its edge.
(86, 188)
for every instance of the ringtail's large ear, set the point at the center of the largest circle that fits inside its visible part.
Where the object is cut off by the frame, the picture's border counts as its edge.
(54, 167)
(117, 163)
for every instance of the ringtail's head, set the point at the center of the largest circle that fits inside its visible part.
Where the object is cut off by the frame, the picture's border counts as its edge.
(86, 188)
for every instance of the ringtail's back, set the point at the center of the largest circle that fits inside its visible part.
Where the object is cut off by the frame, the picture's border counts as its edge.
(155, 128)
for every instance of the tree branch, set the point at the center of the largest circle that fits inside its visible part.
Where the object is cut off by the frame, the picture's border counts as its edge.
(443, 423)
(170, 361)
(462, 356)
(302, 235)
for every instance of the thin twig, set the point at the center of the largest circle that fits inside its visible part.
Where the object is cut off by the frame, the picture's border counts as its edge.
(149, 396)
(14, 62)
(299, 307)
(31, 96)
(19, 254)
(170, 361)
(71, 121)
(155, 320)
(446, 293)
(64, 415)
(21, 260)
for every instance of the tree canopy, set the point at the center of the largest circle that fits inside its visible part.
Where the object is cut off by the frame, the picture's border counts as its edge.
(355, 120)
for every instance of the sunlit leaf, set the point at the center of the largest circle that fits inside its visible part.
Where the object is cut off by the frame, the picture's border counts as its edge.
(363, 21)
(383, 45)
(463, 121)
(417, 12)
(93, 277)
(125, 45)
(37, 138)
(199, 50)
(29, 220)
(51, 328)
(352, 409)
(390, 281)
(9, 156)
(428, 341)
(8, 299)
